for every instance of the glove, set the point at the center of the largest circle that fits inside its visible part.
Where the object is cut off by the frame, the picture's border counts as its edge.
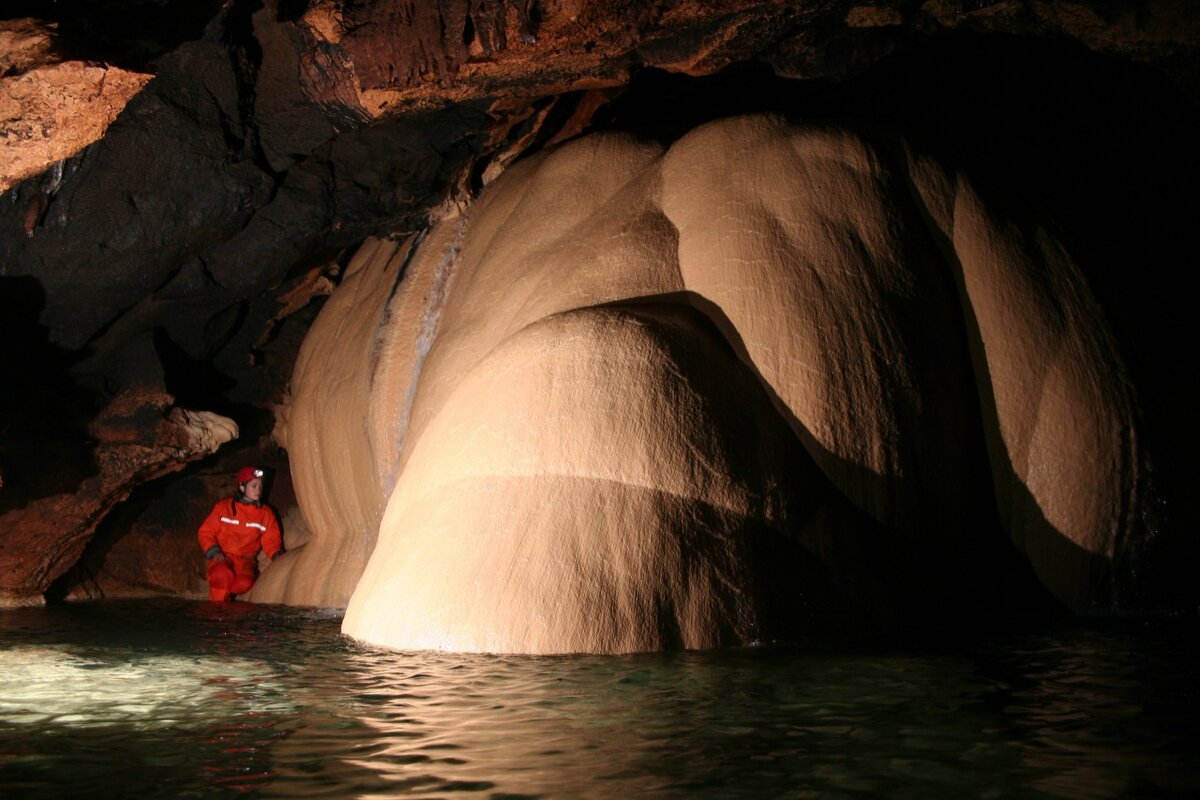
(213, 551)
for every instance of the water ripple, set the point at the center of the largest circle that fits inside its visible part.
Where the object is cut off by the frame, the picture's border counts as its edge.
(176, 699)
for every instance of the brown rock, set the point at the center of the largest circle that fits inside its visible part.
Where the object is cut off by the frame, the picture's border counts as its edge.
(25, 44)
(148, 547)
(873, 17)
(44, 538)
(50, 113)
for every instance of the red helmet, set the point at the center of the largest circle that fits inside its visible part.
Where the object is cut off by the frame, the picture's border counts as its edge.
(247, 474)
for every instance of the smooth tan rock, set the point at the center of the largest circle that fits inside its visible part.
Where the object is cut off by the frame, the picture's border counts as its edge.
(352, 421)
(805, 245)
(203, 431)
(579, 237)
(336, 482)
(650, 374)
(606, 480)
(1058, 408)
(576, 228)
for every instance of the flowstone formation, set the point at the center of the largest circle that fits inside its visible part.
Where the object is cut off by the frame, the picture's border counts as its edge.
(637, 398)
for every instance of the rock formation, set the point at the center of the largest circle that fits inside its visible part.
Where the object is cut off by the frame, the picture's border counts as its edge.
(332, 414)
(50, 113)
(141, 437)
(671, 398)
(191, 245)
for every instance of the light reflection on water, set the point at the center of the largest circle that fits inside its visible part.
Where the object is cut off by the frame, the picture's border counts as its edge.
(178, 699)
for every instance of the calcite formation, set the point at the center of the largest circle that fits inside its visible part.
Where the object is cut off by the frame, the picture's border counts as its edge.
(638, 397)
(333, 414)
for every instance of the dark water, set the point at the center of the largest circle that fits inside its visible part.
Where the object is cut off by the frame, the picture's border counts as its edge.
(177, 699)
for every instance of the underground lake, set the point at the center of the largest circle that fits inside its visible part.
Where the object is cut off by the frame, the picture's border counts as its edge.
(698, 398)
(173, 698)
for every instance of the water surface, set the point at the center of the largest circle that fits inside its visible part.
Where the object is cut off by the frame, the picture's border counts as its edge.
(173, 699)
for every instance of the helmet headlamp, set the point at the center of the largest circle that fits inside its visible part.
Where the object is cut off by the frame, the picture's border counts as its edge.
(248, 474)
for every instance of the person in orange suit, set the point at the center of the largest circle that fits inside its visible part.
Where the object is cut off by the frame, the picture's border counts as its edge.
(233, 533)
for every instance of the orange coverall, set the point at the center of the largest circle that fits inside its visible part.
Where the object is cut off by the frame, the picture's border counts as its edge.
(240, 530)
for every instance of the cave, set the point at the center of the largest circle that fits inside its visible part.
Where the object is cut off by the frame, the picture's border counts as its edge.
(175, 262)
(567, 327)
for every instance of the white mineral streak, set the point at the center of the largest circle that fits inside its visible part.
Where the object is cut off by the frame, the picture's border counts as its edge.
(336, 481)
(435, 304)
(665, 392)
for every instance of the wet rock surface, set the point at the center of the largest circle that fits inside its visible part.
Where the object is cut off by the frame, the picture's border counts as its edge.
(724, 393)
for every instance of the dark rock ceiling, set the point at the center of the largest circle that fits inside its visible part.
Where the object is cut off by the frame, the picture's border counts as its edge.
(189, 248)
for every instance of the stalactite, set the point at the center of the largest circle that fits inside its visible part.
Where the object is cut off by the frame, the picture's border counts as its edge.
(488, 17)
(398, 42)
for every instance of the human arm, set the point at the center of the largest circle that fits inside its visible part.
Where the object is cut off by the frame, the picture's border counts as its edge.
(272, 539)
(208, 535)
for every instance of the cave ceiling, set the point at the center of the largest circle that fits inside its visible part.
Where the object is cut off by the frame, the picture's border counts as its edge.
(181, 184)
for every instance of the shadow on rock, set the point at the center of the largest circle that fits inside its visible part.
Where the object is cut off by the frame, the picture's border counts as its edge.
(45, 447)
